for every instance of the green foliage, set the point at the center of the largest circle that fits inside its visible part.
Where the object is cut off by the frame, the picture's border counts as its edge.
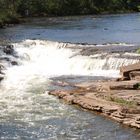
(75, 7)
(137, 86)
(10, 8)
(133, 4)
(122, 101)
(8, 12)
(138, 51)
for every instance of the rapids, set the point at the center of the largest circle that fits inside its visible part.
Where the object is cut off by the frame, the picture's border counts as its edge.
(28, 112)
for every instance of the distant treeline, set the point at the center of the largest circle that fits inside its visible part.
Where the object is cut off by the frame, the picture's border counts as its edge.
(10, 9)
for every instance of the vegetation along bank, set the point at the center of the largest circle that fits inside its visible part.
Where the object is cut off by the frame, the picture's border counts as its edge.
(12, 10)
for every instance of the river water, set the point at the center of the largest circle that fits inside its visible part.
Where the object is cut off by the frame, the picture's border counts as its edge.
(27, 111)
(90, 29)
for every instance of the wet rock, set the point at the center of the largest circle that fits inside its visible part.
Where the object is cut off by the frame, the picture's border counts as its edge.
(1, 77)
(105, 28)
(1, 73)
(14, 63)
(95, 96)
(9, 49)
(7, 58)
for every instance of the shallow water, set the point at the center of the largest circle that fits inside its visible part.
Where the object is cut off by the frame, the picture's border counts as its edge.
(27, 111)
(35, 115)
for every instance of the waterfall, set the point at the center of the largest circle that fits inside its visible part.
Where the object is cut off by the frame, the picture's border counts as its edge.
(55, 58)
(23, 96)
(39, 60)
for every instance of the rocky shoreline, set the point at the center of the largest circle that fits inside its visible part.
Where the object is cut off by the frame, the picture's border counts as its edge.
(117, 99)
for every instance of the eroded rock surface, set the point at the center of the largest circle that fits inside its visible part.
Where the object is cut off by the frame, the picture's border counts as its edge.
(117, 100)
(128, 73)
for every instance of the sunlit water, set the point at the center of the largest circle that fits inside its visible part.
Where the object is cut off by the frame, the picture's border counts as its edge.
(28, 112)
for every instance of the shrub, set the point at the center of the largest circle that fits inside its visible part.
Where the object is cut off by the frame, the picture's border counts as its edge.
(138, 51)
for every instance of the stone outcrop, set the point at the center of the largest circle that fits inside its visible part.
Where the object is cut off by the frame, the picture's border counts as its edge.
(127, 71)
(117, 100)
(8, 49)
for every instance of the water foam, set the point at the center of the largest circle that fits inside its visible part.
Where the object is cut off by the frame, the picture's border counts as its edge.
(43, 59)
(22, 92)
(47, 58)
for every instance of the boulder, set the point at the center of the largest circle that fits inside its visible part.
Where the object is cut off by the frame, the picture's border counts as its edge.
(1, 77)
(14, 63)
(126, 70)
(9, 49)
(134, 75)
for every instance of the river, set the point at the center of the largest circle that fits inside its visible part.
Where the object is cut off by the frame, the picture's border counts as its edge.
(90, 29)
(27, 111)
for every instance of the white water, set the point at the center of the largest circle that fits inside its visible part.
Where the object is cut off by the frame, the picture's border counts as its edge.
(48, 56)
(40, 60)
(23, 96)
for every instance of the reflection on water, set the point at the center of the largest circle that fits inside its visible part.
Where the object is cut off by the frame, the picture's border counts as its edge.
(90, 29)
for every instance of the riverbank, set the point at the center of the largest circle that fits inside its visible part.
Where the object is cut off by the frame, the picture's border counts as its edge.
(7, 20)
(119, 101)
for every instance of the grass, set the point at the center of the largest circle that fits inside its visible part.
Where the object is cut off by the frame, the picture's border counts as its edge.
(137, 86)
(123, 101)
(138, 51)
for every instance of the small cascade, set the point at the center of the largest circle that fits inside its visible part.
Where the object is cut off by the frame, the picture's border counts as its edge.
(110, 62)
(56, 58)
(39, 60)
(23, 92)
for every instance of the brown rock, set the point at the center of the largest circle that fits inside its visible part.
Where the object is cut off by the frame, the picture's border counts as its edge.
(95, 96)
(121, 87)
(134, 75)
(125, 70)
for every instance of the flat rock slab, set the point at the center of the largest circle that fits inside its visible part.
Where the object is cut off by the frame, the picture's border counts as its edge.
(118, 104)
(109, 85)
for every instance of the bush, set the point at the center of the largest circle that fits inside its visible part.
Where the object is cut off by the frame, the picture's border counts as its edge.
(138, 51)
(137, 86)
(6, 18)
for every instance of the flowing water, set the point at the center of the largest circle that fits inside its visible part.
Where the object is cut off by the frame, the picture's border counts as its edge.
(90, 29)
(26, 109)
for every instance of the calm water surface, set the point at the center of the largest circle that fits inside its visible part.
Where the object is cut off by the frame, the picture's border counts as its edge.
(90, 29)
